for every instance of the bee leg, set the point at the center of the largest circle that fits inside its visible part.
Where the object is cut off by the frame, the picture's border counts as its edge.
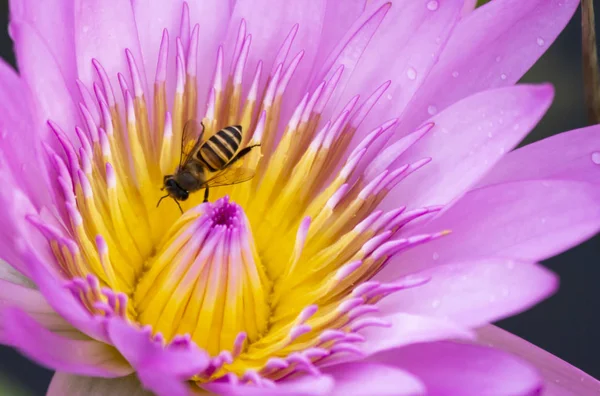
(177, 202)
(243, 152)
(206, 194)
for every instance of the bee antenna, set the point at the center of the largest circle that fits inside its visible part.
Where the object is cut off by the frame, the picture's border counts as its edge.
(160, 200)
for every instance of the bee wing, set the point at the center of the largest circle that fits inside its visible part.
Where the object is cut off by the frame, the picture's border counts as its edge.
(230, 176)
(191, 139)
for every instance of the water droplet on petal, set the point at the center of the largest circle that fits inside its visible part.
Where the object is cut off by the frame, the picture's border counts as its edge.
(498, 58)
(490, 134)
(433, 5)
(435, 256)
(596, 157)
(503, 76)
(432, 110)
(540, 41)
(411, 73)
(454, 74)
(435, 303)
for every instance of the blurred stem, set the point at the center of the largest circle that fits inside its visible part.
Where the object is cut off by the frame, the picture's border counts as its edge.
(591, 74)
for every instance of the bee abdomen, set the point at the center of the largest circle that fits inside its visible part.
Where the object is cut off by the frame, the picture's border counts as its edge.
(217, 151)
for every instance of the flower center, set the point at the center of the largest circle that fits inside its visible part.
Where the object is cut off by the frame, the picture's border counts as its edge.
(207, 281)
(273, 275)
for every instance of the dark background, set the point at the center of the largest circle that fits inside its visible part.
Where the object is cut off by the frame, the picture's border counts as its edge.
(567, 324)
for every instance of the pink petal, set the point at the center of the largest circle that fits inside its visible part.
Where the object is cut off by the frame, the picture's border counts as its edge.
(525, 220)
(491, 47)
(467, 140)
(367, 379)
(104, 29)
(269, 24)
(406, 328)
(573, 155)
(62, 300)
(469, 6)
(163, 370)
(50, 96)
(152, 17)
(68, 384)
(561, 379)
(404, 49)
(475, 292)
(9, 274)
(349, 49)
(305, 385)
(59, 353)
(16, 139)
(31, 301)
(53, 21)
(340, 15)
(14, 206)
(449, 368)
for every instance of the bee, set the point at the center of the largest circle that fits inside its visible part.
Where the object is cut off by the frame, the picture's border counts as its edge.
(207, 163)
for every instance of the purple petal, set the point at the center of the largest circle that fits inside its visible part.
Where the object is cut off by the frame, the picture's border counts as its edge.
(53, 20)
(559, 376)
(475, 292)
(467, 140)
(448, 368)
(573, 155)
(50, 96)
(367, 379)
(268, 36)
(511, 36)
(524, 220)
(68, 384)
(31, 301)
(104, 30)
(163, 370)
(59, 353)
(305, 385)
(404, 50)
(152, 17)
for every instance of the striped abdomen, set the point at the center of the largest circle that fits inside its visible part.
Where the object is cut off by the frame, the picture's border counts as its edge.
(217, 151)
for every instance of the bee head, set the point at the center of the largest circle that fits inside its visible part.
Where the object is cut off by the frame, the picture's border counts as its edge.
(174, 189)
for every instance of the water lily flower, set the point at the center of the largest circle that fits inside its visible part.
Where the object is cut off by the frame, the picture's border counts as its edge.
(387, 220)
